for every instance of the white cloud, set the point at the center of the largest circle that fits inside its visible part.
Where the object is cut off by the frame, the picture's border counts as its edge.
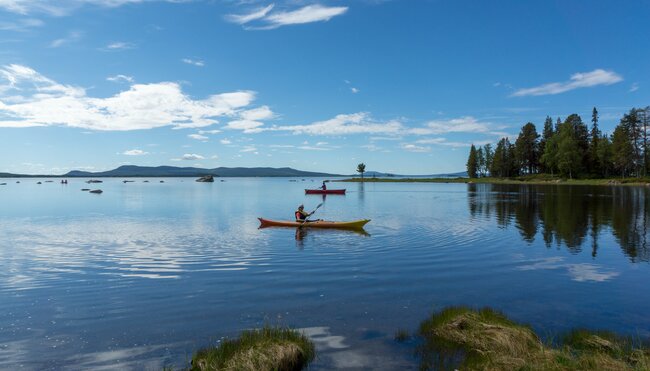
(20, 25)
(444, 142)
(307, 14)
(60, 7)
(354, 90)
(249, 149)
(256, 114)
(194, 62)
(356, 123)
(135, 152)
(414, 148)
(578, 80)
(120, 78)
(214, 131)
(634, 87)
(225, 141)
(270, 20)
(198, 137)
(467, 124)
(72, 37)
(118, 46)
(191, 157)
(45, 102)
(253, 15)
(246, 125)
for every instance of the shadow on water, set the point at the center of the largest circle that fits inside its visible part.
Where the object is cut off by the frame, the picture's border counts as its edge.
(569, 214)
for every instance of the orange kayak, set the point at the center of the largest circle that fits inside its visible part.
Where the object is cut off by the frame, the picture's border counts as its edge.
(355, 224)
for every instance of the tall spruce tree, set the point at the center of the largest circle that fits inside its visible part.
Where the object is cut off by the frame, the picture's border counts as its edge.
(489, 157)
(480, 160)
(633, 131)
(593, 163)
(527, 149)
(472, 163)
(546, 135)
(622, 149)
(605, 156)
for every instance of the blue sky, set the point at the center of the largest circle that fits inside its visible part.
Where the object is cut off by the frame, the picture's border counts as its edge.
(404, 86)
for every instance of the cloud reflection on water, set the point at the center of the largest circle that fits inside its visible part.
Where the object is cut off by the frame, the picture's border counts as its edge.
(582, 272)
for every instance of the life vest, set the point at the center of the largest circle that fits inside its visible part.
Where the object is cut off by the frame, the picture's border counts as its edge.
(300, 215)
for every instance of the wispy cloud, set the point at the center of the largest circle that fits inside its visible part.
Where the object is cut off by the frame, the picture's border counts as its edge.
(200, 137)
(578, 80)
(446, 143)
(225, 141)
(193, 62)
(73, 36)
(44, 102)
(249, 149)
(251, 16)
(135, 152)
(356, 123)
(354, 90)
(467, 124)
(61, 7)
(191, 157)
(118, 46)
(21, 25)
(120, 78)
(634, 87)
(414, 148)
(266, 19)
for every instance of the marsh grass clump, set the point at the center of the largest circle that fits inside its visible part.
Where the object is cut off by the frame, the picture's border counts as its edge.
(268, 348)
(485, 339)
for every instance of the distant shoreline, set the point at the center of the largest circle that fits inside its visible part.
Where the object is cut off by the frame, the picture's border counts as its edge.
(519, 181)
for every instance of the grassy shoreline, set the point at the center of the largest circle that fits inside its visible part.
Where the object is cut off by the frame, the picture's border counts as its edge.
(534, 180)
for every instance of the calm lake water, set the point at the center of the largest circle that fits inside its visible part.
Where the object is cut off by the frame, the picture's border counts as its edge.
(144, 274)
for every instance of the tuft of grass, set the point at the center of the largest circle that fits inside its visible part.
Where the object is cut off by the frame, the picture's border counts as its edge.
(268, 348)
(485, 339)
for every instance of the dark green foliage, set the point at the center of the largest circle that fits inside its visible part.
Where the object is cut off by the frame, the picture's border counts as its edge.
(572, 150)
(527, 149)
(472, 163)
(361, 168)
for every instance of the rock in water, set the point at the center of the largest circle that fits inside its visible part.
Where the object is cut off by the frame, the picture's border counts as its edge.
(97, 191)
(206, 179)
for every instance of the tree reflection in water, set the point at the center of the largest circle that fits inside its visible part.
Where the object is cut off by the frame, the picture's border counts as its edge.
(565, 215)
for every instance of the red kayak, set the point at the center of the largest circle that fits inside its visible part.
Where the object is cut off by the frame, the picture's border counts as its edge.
(325, 192)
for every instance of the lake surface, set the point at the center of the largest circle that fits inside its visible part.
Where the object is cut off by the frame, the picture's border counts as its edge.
(144, 274)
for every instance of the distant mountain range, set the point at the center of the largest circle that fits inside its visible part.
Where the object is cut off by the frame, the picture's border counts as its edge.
(173, 171)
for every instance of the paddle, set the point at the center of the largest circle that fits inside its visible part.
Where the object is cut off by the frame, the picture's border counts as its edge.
(312, 213)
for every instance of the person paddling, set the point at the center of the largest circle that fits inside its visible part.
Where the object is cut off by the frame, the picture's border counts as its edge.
(301, 214)
(323, 187)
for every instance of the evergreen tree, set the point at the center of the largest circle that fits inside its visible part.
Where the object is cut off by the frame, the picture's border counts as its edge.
(549, 157)
(472, 163)
(526, 149)
(480, 159)
(546, 135)
(489, 157)
(569, 153)
(622, 149)
(593, 162)
(361, 168)
(499, 159)
(604, 154)
(644, 119)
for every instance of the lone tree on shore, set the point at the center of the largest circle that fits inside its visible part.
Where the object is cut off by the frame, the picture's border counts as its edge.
(361, 168)
(472, 163)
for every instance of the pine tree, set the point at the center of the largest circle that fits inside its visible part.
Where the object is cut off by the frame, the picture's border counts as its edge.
(593, 163)
(480, 159)
(489, 157)
(546, 135)
(472, 163)
(622, 149)
(526, 149)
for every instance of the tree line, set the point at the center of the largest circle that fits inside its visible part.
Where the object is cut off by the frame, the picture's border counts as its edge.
(570, 149)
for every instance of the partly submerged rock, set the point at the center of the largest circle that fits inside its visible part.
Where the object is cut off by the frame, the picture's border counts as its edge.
(206, 179)
(97, 191)
(85, 189)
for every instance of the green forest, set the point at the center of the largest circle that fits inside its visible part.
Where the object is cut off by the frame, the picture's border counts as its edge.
(569, 149)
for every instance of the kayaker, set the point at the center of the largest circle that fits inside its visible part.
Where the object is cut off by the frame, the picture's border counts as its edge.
(301, 214)
(323, 187)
